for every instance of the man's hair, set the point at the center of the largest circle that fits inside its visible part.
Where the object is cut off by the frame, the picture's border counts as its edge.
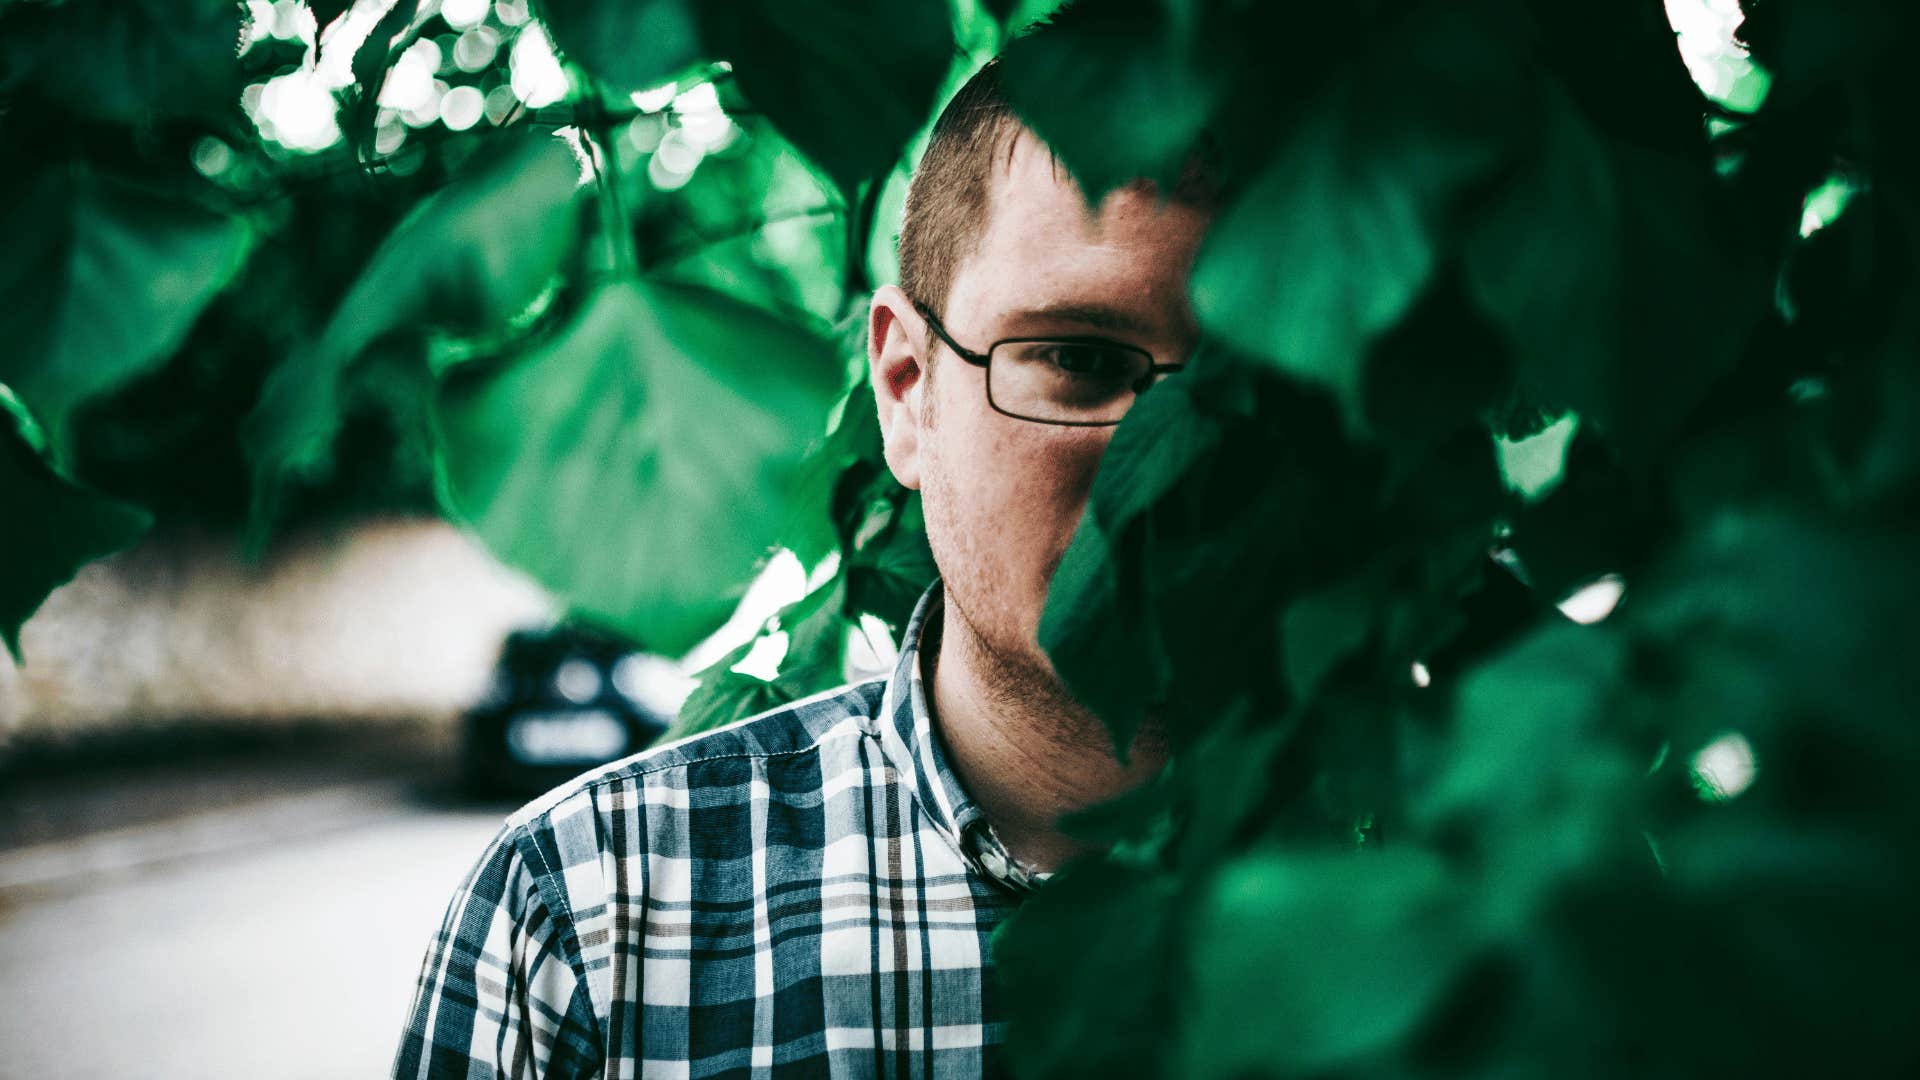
(947, 198)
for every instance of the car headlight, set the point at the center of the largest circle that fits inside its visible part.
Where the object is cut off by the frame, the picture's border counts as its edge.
(577, 680)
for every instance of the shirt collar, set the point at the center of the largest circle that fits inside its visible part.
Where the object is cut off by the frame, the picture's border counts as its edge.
(913, 746)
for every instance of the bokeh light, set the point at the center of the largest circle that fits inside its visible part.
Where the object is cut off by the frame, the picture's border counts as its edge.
(1595, 601)
(463, 14)
(298, 111)
(462, 107)
(538, 79)
(1724, 767)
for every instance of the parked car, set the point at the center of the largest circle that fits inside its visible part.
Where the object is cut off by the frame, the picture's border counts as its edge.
(563, 700)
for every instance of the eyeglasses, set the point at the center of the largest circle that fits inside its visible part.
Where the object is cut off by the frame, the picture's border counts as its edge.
(1070, 381)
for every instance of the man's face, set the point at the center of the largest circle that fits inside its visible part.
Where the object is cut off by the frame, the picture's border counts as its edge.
(1002, 495)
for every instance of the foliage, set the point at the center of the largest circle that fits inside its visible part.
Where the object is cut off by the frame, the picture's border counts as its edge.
(1480, 837)
(56, 527)
(1503, 315)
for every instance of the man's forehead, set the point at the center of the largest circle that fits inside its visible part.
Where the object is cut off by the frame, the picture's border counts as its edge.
(1029, 179)
(1044, 261)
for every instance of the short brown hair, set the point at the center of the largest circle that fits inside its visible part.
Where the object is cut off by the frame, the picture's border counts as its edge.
(947, 197)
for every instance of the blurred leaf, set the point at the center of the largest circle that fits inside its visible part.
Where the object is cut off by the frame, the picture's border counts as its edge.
(1537, 783)
(468, 260)
(1440, 370)
(103, 280)
(1223, 489)
(642, 462)
(1086, 938)
(816, 628)
(627, 44)
(1110, 90)
(1534, 465)
(54, 527)
(1302, 963)
(1098, 626)
(1336, 238)
(1324, 627)
(1641, 223)
(848, 81)
(126, 60)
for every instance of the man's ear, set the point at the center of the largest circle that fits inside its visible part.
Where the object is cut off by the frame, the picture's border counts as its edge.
(899, 375)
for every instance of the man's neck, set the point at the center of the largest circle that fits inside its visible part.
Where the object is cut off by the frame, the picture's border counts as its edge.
(1025, 750)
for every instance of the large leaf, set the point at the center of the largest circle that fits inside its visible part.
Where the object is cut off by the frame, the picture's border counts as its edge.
(1633, 333)
(102, 281)
(1305, 962)
(54, 527)
(629, 44)
(125, 60)
(1113, 93)
(644, 460)
(1219, 493)
(1336, 238)
(848, 81)
(1087, 938)
(467, 260)
(1099, 626)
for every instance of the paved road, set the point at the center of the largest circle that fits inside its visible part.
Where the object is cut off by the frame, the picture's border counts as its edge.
(278, 938)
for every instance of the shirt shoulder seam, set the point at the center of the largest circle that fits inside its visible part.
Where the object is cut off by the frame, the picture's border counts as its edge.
(640, 769)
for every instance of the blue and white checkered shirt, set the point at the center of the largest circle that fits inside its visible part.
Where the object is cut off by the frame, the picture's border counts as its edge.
(809, 891)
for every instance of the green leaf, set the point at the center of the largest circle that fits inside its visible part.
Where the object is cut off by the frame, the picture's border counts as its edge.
(1222, 490)
(1336, 238)
(128, 61)
(887, 575)
(325, 11)
(1324, 627)
(1633, 333)
(641, 462)
(816, 628)
(627, 44)
(1113, 93)
(1540, 781)
(54, 527)
(847, 81)
(1534, 466)
(103, 280)
(468, 260)
(370, 63)
(1099, 627)
(723, 696)
(1093, 936)
(1302, 963)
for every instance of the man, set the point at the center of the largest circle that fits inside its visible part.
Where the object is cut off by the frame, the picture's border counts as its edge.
(813, 890)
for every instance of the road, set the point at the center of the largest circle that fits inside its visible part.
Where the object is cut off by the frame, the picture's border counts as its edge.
(277, 937)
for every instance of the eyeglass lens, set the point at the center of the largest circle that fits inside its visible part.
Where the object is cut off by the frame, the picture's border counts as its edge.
(1066, 381)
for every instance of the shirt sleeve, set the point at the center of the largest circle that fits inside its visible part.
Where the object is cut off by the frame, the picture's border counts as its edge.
(501, 993)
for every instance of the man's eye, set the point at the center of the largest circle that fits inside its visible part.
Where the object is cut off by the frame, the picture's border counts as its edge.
(1092, 361)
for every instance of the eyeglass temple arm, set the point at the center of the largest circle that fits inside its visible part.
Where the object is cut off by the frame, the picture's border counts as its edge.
(933, 323)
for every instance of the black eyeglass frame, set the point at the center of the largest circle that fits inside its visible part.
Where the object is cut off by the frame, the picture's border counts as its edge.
(985, 360)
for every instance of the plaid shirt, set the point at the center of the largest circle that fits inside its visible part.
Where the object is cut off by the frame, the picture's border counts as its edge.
(809, 891)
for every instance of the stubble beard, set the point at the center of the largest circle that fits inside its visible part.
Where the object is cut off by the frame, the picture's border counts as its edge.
(1010, 670)
(1013, 673)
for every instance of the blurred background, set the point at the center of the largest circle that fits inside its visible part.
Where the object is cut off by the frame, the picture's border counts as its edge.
(279, 275)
